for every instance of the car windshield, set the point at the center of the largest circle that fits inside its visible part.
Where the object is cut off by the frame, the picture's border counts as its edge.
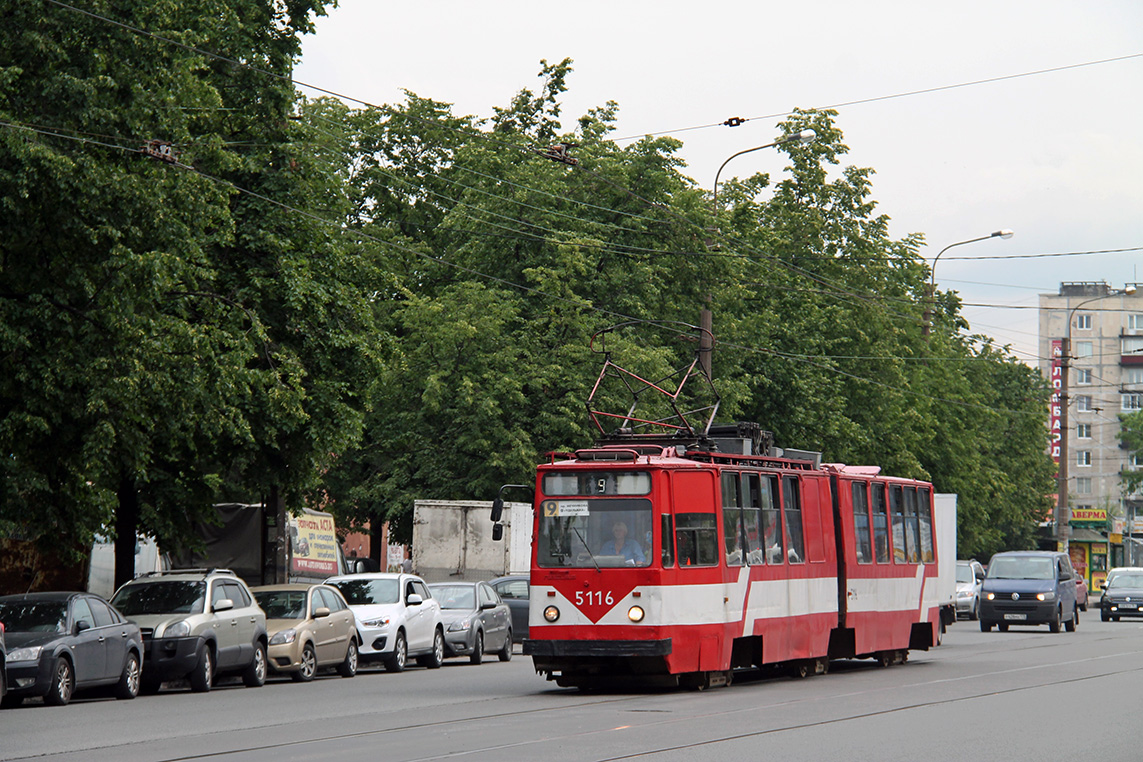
(34, 616)
(1021, 567)
(164, 597)
(455, 596)
(363, 592)
(1119, 581)
(964, 574)
(595, 533)
(282, 604)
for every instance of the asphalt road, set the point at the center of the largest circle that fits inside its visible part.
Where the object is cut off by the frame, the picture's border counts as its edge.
(1021, 695)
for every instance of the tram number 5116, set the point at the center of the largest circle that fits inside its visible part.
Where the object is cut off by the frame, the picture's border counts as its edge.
(598, 598)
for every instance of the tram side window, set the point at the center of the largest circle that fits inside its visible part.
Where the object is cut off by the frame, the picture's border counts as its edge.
(771, 520)
(792, 503)
(696, 535)
(668, 541)
(862, 543)
(925, 515)
(880, 524)
(897, 512)
(732, 518)
(752, 498)
(912, 536)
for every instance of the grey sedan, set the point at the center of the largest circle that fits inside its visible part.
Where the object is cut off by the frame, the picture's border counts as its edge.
(476, 621)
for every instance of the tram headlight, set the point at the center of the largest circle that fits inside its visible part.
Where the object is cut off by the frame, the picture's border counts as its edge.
(551, 613)
(635, 613)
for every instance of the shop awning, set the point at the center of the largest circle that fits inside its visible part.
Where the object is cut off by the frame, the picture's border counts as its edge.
(1083, 534)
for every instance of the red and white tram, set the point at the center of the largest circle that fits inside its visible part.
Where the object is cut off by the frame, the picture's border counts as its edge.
(675, 560)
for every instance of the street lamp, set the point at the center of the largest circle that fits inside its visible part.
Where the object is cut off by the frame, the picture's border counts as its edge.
(805, 136)
(1063, 509)
(706, 321)
(933, 273)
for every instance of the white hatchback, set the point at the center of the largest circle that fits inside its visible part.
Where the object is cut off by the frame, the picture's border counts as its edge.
(397, 618)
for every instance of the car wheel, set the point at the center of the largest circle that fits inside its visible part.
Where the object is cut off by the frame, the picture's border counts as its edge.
(1103, 616)
(975, 613)
(63, 683)
(436, 658)
(1002, 626)
(477, 650)
(1054, 623)
(129, 681)
(255, 674)
(1115, 618)
(308, 667)
(202, 676)
(1070, 625)
(348, 666)
(11, 702)
(985, 626)
(1083, 606)
(505, 653)
(396, 661)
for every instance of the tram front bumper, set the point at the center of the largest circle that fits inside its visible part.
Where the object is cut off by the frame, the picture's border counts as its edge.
(597, 648)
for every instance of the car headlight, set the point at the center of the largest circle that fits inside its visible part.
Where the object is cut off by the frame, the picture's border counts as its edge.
(635, 613)
(990, 596)
(284, 636)
(177, 630)
(1048, 596)
(551, 613)
(25, 654)
(458, 626)
(964, 594)
(380, 621)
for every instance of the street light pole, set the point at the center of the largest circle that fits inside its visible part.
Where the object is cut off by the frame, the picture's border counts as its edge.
(1063, 508)
(929, 301)
(706, 320)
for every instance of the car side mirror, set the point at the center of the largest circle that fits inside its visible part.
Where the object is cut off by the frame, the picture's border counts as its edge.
(223, 605)
(487, 605)
(497, 532)
(321, 611)
(497, 509)
(414, 600)
(81, 625)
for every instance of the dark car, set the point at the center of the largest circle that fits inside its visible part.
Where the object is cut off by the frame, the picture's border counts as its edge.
(1029, 588)
(515, 591)
(3, 661)
(60, 643)
(475, 620)
(1122, 596)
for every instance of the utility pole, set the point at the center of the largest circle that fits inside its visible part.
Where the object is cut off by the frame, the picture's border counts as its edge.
(1063, 514)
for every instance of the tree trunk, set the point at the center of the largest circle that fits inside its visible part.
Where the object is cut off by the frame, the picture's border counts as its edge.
(126, 530)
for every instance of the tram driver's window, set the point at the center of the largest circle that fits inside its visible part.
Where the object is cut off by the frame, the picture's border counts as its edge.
(732, 518)
(880, 524)
(862, 545)
(792, 504)
(696, 539)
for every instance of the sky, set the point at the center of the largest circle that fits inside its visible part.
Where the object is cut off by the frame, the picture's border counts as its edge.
(1056, 157)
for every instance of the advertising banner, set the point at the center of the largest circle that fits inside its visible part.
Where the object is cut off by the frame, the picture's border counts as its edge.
(313, 545)
(1056, 378)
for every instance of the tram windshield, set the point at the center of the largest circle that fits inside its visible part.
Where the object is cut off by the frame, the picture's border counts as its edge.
(594, 533)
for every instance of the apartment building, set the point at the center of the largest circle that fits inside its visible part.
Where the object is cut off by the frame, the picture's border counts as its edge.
(1106, 379)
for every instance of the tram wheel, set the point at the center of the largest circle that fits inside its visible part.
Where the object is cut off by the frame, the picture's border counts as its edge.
(884, 658)
(800, 669)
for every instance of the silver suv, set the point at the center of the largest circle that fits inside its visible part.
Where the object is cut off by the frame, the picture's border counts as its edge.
(196, 624)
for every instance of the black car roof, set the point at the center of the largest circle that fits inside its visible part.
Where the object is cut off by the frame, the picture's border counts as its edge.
(46, 596)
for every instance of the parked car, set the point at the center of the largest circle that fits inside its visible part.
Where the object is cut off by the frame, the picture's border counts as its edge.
(969, 580)
(197, 624)
(1029, 587)
(3, 664)
(476, 621)
(66, 642)
(397, 617)
(1122, 595)
(514, 590)
(1081, 591)
(1116, 570)
(310, 627)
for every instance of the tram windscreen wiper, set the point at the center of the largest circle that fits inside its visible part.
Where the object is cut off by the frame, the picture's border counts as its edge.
(585, 547)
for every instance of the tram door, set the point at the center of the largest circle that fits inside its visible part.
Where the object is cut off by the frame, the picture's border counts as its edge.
(698, 556)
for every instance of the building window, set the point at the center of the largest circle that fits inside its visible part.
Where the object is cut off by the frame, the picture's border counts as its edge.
(1135, 461)
(1083, 457)
(1133, 376)
(1083, 485)
(1135, 321)
(1132, 402)
(1084, 349)
(1083, 431)
(1083, 321)
(1083, 403)
(1131, 345)
(1083, 375)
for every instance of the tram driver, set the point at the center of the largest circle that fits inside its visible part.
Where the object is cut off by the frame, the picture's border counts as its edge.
(621, 545)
